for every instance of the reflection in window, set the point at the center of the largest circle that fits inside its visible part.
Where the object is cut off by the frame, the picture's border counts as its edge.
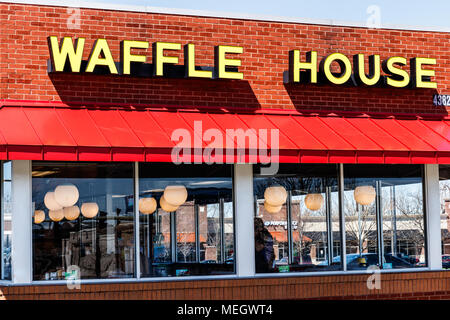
(384, 216)
(185, 228)
(161, 241)
(360, 223)
(210, 233)
(5, 223)
(188, 229)
(310, 226)
(83, 220)
(227, 254)
(297, 219)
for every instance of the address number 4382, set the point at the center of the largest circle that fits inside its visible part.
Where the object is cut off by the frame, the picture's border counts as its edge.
(441, 100)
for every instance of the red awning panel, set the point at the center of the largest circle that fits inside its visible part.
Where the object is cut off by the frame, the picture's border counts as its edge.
(174, 126)
(383, 138)
(262, 123)
(76, 123)
(17, 129)
(141, 122)
(357, 139)
(437, 127)
(48, 128)
(207, 124)
(302, 138)
(327, 136)
(115, 129)
(93, 134)
(413, 141)
(430, 137)
(232, 122)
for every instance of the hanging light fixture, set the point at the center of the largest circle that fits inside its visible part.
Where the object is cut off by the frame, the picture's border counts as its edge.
(71, 213)
(39, 216)
(56, 215)
(50, 202)
(275, 196)
(272, 209)
(175, 195)
(314, 201)
(166, 206)
(364, 195)
(66, 195)
(147, 205)
(89, 209)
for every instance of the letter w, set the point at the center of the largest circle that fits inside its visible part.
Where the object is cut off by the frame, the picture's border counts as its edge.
(59, 54)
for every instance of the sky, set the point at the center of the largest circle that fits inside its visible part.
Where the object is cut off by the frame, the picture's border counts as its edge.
(429, 13)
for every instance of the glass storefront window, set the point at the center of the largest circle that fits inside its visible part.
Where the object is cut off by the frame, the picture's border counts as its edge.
(83, 220)
(5, 222)
(383, 209)
(297, 219)
(444, 187)
(193, 236)
(384, 216)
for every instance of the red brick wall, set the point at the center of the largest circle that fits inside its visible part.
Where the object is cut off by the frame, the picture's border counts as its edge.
(412, 285)
(24, 55)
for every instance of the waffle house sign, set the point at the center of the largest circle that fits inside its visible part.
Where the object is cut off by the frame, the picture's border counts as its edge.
(66, 55)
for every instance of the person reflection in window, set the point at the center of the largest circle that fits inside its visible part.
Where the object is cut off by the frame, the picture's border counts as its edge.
(264, 253)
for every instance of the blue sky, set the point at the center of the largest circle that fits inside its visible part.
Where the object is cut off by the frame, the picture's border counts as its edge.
(405, 12)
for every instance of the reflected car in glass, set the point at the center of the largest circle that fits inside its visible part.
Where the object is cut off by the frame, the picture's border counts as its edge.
(357, 261)
(446, 261)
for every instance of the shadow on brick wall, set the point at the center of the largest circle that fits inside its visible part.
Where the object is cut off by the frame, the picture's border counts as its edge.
(226, 94)
(328, 98)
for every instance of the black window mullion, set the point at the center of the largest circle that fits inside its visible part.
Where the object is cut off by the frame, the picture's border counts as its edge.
(222, 230)
(329, 224)
(342, 218)
(379, 216)
(289, 228)
(173, 238)
(197, 234)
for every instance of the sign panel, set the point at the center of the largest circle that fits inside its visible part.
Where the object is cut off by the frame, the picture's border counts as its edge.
(66, 56)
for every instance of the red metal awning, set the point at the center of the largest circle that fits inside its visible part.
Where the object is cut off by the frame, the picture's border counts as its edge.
(59, 132)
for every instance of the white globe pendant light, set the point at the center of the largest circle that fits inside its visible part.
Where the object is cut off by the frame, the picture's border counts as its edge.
(175, 195)
(167, 206)
(50, 201)
(39, 216)
(66, 195)
(71, 213)
(147, 205)
(89, 209)
(314, 201)
(364, 195)
(271, 209)
(56, 215)
(275, 196)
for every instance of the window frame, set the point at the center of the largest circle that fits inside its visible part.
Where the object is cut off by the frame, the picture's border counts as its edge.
(2, 221)
(327, 220)
(343, 245)
(173, 233)
(88, 280)
(429, 185)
